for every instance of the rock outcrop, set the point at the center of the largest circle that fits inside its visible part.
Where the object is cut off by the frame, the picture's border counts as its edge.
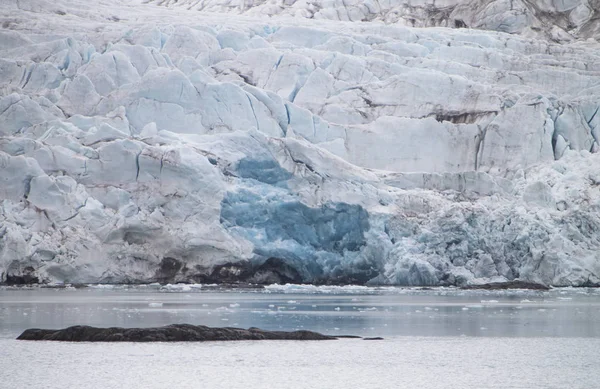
(171, 333)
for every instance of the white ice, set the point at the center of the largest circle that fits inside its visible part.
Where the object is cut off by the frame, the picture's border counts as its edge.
(192, 141)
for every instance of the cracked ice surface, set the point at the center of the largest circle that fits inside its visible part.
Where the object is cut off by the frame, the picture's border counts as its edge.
(140, 143)
(556, 19)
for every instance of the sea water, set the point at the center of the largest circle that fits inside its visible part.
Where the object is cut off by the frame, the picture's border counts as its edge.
(435, 338)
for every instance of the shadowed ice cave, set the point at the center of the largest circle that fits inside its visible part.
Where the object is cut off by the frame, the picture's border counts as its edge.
(267, 171)
(314, 241)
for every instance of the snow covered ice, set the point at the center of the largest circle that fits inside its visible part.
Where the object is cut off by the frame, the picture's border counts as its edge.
(322, 141)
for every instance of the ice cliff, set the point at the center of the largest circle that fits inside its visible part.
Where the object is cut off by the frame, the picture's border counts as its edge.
(330, 142)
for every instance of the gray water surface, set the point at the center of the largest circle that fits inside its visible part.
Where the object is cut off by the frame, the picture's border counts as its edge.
(341, 310)
(440, 338)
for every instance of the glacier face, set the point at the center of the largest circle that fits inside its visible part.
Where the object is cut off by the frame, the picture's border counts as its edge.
(140, 143)
(555, 19)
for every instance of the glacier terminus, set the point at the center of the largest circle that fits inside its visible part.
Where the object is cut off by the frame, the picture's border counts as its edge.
(396, 142)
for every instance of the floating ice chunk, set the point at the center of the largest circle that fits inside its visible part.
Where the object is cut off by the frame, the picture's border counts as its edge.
(368, 309)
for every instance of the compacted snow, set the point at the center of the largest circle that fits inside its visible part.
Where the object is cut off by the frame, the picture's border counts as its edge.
(295, 141)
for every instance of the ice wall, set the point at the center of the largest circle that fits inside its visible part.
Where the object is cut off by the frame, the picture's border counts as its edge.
(140, 144)
(554, 19)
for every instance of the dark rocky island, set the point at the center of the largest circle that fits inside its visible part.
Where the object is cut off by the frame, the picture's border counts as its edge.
(170, 333)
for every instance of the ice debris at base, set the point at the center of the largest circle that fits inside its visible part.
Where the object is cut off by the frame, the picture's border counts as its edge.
(145, 144)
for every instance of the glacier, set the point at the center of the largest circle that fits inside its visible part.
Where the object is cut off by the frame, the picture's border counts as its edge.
(380, 143)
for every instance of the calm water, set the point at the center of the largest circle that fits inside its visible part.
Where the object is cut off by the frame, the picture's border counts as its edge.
(440, 338)
(333, 310)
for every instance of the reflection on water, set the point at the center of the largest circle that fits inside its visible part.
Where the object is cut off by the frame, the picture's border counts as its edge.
(364, 311)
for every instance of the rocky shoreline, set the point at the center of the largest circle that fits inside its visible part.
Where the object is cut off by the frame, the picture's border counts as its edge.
(508, 285)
